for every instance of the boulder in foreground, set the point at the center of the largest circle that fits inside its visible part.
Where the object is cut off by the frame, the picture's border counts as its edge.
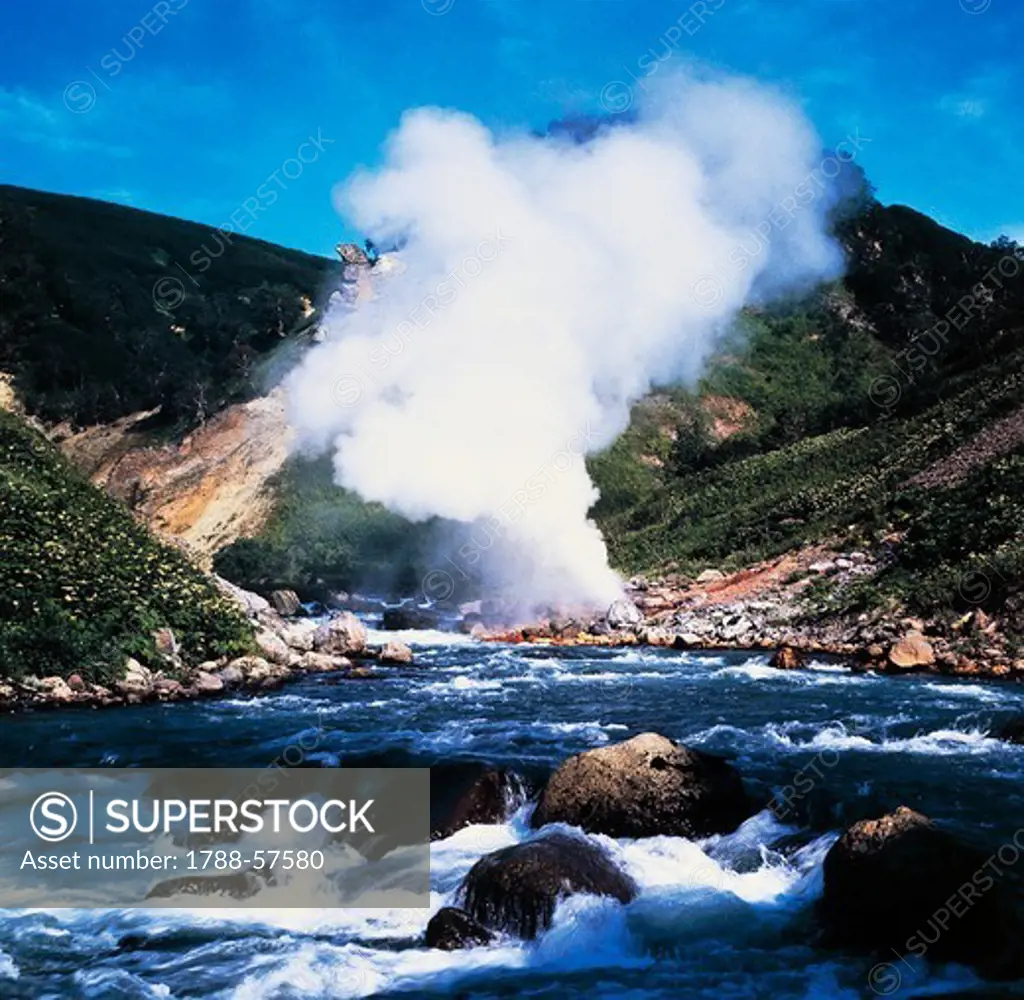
(902, 884)
(451, 928)
(645, 787)
(516, 889)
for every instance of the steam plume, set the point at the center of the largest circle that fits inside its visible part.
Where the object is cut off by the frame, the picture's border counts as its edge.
(547, 285)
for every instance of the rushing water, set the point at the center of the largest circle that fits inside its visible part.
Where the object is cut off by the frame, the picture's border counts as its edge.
(726, 917)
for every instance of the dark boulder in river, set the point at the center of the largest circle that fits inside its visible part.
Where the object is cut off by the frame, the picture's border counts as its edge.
(901, 884)
(516, 889)
(451, 928)
(1012, 730)
(492, 797)
(645, 787)
(403, 618)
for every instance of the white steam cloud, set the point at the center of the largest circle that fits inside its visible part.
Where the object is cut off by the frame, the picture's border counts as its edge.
(547, 286)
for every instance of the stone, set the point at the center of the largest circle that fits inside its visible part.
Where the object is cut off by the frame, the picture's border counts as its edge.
(274, 648)
(824, 566)
(623, 613)
(1012, 730)
(912, 651)
(206, 683)
(490, 799)
(710, 576)
(299, 635)
(285, 602)
(397, 653)
(343, 635)
(407, 617)
(56, 689)
(322, 663)
(645, 787)
(137, 678)
(76, 683)
(787, 658)
(516, 889)
(901, 884)
(165, 642)
(451, 928)
(231, 676)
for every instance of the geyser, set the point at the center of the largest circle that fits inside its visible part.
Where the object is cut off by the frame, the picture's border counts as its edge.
(546, 286)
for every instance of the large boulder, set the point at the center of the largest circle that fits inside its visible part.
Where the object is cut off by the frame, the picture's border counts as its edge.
(343, 635)
(901, 884)
(408, 617)
(624, 614)
(516, 889)
(285, 602)
(645, 787)
(911, 652)
(451, 928)
(491, 798)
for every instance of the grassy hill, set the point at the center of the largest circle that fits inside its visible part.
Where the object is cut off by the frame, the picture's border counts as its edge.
(107, 310)
(83, 585)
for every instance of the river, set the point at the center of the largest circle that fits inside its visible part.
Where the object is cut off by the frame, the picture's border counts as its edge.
(727, 917)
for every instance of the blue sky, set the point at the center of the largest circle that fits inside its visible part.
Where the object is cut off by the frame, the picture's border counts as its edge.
(187, 106)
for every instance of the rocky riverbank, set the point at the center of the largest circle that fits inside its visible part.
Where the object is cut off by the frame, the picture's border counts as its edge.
(285, 648)
(775, 606)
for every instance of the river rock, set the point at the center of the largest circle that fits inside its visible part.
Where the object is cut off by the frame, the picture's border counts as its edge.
(645, 787)
(137, 678)
(516, 889)
(787, 658)
(405, 618)
(322, 663)
(396, 653)
(624, 614)
(343, 635)
(901, 884)
(299, 635)
(274, 648)
(451, 928)
(285, 602)
(710, 576)
(231, 676)
(491, 798)
(206, 683)
(913, 650)
(1012, 730)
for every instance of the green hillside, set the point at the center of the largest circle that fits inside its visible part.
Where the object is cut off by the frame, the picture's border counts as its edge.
(82, 585)
(107, 310)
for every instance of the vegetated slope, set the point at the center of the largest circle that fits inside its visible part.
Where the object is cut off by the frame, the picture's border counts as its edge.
(83, 585)
(857, 406)
(107, 310)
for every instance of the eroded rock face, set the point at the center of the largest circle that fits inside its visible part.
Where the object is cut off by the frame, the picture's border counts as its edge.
(900, 883)
(451, 928)
(645, 787)
(516, 889)
(344, 635)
